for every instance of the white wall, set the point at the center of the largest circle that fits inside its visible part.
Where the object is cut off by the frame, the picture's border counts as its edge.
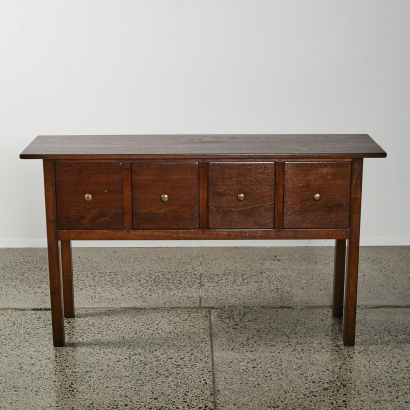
(206, 66)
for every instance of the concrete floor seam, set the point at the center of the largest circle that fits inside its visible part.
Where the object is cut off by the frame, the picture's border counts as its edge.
(200, 279)
(212, 358)
(83, 309)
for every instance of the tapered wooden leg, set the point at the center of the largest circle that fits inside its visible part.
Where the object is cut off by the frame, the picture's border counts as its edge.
(67, 271)
(339, 277)
(352, 269)
(57, 316)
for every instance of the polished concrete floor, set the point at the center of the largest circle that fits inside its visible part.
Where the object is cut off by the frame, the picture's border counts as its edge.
(205, 328)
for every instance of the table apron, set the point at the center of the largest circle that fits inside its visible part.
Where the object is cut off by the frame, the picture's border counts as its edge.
(205, 234)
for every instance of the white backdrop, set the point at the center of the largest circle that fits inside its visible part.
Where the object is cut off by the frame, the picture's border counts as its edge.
(205, 66)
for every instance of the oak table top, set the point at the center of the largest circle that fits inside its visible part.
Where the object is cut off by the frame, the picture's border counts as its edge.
(278, 146)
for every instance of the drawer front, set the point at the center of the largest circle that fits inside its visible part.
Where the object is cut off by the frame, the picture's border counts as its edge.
(228, 181)
(101, 180)
(305, 179)
(151, 182)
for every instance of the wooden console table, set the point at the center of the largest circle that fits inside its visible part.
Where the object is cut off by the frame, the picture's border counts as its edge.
(203, 187)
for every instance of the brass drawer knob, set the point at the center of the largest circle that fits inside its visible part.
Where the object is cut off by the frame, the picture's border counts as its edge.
(317, 197)
(164, 197)
(241, 197)
(88, 197)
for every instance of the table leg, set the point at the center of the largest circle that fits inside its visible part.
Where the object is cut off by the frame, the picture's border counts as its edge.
(349, 320)
(339, 277)
(349, 324)
(57, 315)
(67, 270)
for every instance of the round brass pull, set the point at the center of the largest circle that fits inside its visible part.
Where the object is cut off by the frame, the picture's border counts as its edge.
(164, 197)
(241, 197)
(88, 197)
(317, 197)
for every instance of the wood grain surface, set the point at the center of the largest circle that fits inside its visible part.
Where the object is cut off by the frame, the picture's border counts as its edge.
(352, 266)
(279, 192)
(302, 181)
(203, 195)
(177, 180)
(131, 147)
(54, 271)
(339, 277)
(127, 188)
(67, 276)
(226, 180)
(103, 180)
(199, 234)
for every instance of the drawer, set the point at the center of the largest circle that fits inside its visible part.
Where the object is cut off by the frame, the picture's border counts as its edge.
(179, 182)
(103, 182)
(227, 181)
(331, 180)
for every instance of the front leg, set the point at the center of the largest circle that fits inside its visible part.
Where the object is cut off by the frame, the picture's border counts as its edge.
(349, 320)
(57, 316)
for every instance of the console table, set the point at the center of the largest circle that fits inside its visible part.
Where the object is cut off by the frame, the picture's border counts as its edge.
(203, 187)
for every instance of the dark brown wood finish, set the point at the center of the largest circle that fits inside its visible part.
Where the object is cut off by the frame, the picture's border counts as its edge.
(339, 277)
(255, 180)
(352, 269)
(103, 180)
(57, 315)
(303, 181)
(279, 192)
(205, 234)
(67, 273)
(203, 195)
(203, 174)
(127, 188)
(137, 147)
(179, 181)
